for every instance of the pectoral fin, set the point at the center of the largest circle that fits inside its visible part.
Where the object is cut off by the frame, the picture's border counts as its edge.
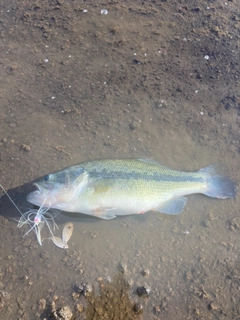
(174, 206)
(104, 213)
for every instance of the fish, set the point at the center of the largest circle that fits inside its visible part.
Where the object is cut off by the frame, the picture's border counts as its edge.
(115, 187)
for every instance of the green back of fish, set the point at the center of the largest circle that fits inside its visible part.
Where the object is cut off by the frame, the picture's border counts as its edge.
(142, 176)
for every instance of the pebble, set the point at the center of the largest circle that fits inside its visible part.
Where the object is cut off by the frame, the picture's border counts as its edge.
(212, 306)
(44, 255)
(25, 147)
(134, 125)
(123, 268)
(55, 298)
(64, 313)
(79, 307)
(146, 273)
(129, 282)
(85, 290)
(42, 304)
(104, 11)
(100, 279)
(2, 304)
(138, 308)
(143, 291)
(99, 310)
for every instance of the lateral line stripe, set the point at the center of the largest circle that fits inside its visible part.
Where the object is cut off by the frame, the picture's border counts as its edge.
(105, 174)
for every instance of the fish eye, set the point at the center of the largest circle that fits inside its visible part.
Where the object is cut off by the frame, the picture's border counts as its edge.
(46, 177)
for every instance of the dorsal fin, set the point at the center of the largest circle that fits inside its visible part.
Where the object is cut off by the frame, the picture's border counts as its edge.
(150, 161)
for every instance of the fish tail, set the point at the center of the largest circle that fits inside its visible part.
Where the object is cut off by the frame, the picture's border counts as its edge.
(221, 187)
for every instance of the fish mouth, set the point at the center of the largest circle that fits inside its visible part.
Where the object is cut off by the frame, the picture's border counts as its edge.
(42, 189)
(38, 188)
(37, 196)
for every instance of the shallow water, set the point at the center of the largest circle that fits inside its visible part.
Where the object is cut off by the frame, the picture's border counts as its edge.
(134, 83)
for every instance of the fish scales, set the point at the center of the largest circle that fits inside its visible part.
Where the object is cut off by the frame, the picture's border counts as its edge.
(142, 176)
(140, 171)
(111, 187)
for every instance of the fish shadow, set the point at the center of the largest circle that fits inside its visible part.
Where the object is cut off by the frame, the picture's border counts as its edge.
(18, 197)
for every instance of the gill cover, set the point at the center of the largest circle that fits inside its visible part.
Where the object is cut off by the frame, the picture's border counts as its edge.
(60, 188)
(69, 184)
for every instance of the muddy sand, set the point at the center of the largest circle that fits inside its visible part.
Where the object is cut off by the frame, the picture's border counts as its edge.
(149, 79)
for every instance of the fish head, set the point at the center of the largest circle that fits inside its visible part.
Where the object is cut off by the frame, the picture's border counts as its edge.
(59, 189)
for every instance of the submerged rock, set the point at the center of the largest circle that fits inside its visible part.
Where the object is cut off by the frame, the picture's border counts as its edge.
(138, 308)
(143, 291)
(85, 290)
(64, 313)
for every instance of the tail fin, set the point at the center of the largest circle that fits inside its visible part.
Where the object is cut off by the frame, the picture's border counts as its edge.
(221, 187)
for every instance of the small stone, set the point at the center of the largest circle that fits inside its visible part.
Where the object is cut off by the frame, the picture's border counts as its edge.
(1, 305)
(64, 313)
(213, 306)
(129, 282)
(123, 268)
(75, 296)
(146, 273)
(99, 311)
(42, 304)
(143, 291)
(234, 223)
(80, 308)
(37, 314)
(134, 125)
(55, 298)
(85, 289)
(138, 308)
(104, 11)
(100, 279)
(25, 147)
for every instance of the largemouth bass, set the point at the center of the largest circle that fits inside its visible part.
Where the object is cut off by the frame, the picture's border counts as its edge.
(110, 188)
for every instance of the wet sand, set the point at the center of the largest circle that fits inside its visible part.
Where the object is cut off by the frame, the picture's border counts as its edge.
(153, 80)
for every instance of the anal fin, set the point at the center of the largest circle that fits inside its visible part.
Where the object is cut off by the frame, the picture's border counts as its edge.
(106, 216)
(173, 206)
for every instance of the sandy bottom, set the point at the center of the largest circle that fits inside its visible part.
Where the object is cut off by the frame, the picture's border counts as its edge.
(150, 79)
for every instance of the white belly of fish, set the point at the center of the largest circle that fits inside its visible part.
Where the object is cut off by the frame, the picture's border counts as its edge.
(110, 207)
